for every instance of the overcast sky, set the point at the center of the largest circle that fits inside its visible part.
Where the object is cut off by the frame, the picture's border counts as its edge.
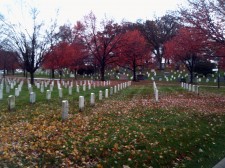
(74, 10)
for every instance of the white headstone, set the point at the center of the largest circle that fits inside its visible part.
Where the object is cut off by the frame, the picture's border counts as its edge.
(11, 102)
(60, 93)
(1, 94)
(156, 95)
(65, 109)
(7, 89)
(100, 95)
(32, 97)
(84, 87)
(115, 90)
(48, 94)
(70, 90)
(17, 92)
(81, 103)
(92, 99)
(106, 93)
(78, 88)
(42, 88)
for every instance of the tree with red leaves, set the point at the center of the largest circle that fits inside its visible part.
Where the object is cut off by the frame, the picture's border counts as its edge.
(134, 52)
(187, 47)
(59, 57)
(101, 42)
(208, 16)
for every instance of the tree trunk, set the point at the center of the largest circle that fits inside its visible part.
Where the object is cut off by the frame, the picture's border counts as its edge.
(134, 72)
(32, 78)
(53, 73)
(102, 71)
(75, 74)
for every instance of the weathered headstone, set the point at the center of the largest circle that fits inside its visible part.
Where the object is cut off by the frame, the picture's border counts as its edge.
(65, 109)
(81, 103)
(11, 102)
(92, 99)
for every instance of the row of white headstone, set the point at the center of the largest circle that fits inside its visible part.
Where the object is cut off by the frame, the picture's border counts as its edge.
(8, 88)
(190, 87)
(65, 104)
(156, 92)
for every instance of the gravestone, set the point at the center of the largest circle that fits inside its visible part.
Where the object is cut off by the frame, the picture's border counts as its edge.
(115, 90)
(100, 95)
(92, 99)
(32, 97)
(60, 93)
(17, 92)
(106, 93)
(156, 95)
(48, 94)
(51, 87)
(111, 91)
(11, 102)
(84, 87)
(7, 89)
(42, 88)
(81, 103)
(65, 109)
(1, 94)
(70, 90)
(78, 89)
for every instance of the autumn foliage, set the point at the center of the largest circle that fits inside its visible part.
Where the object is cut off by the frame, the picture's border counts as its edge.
(134, 51)
(187, 47)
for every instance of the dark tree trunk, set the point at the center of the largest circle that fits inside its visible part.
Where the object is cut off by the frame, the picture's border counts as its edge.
(102, 73)
(75, 74)
(32, 78)
(134, 71)
(53, 73)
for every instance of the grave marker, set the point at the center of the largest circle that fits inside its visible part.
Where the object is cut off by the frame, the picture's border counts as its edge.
(106, 93)
(92, 99)
(81, 103)
(48, 94)
(100, 95)
(11, 102)
(32, 97)
(65, 109)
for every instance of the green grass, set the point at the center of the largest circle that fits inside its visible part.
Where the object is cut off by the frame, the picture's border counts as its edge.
(129, 128)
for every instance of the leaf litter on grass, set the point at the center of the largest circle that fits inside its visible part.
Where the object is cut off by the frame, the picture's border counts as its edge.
(135, 132)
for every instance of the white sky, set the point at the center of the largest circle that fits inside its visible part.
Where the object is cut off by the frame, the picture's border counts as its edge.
(74, 10)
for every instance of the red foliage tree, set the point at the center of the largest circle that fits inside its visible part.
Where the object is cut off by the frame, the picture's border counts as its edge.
(134, 51)
(208, 17)
(101, 43)
(59, 57)
(187, 47)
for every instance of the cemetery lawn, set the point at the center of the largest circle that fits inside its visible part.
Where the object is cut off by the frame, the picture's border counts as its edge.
(127, 129)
